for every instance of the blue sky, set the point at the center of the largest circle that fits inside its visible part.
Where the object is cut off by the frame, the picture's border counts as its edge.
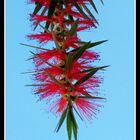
(27, 119)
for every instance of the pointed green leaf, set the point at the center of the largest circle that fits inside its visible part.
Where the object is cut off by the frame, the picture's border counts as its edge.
(47, 26)
(80, 51)
(99, 68)
(73, 28)
(91, 44)
(90, 74)
(73, 118)
(69, 61)
(52, 6)
(69, 125)
(34, 47)
(75, 133)
(88, 11)
(90, 97)
(45, 30)
(37, 8)
(74, 124)
(63, 116)
(36, 85)
(93, 5)
(70, 17)
(42, 14)
(81, 11)
(96, 43)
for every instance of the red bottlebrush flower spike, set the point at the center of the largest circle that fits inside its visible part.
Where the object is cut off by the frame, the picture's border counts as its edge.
(64, 75)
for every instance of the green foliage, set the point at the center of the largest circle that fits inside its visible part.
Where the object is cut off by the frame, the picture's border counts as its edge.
(42, 14)
(90, 45)
(62, 118)
(73, 28)
(78, 7)
(80, 51)
(93, 5)
(90, 73)
(52, 6)
(89, 13)
(34, 47)
(71, 125)
(69, 62)
(37, 8)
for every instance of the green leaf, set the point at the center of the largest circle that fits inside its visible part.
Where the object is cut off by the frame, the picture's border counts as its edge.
(74, 123)
(45, 30)
(90, 97)
(90, 74)
(36, 85)
(93, 5)
(75, 133)
(47, 25)
(90, 45)
(69, 125)
(88, 11)
(90, 69)
(43, 12)
(63, 116)
(69, 61)
(37, 8)
(73, 118)
(81, 11)
(80, 51)
(34, 47)
(70, 17)
(52, 6)
(73, 28)
(96, 43)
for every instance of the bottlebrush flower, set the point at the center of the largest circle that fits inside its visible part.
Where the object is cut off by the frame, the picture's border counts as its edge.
(64, 76)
